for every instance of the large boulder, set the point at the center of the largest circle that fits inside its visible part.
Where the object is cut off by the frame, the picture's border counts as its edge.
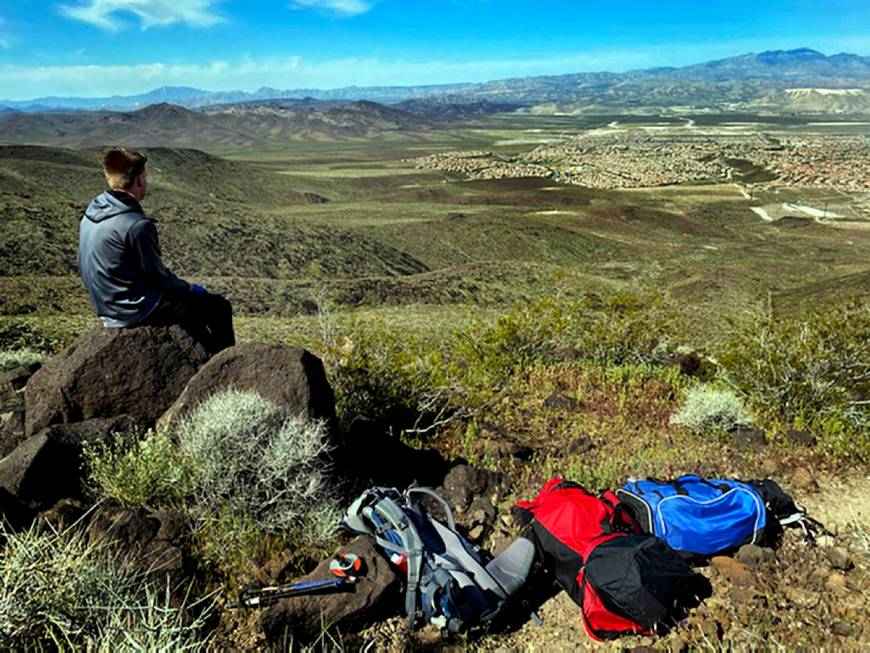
(46, 467)
(106, 372)
(375, 595)
(290, 376)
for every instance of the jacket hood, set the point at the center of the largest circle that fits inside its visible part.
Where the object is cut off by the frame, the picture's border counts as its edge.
(108, 205)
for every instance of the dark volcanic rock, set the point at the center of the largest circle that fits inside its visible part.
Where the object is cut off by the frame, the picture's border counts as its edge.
(472, 493)
(41, 470)
(557, 401)
(12, 383)
(748, 438)
(803, 438)
(11, 429)
(754, 556)
(303, 618)
(46, 467)
(63, 514)
(146, 539)
(290, 376)
(16, 378)
(314, 198)
(108, 372)
(688, 362)
(16, 515)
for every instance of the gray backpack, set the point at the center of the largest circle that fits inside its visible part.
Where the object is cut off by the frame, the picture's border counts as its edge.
(450, 583)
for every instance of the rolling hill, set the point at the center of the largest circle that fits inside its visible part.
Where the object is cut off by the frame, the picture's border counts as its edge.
(234, 125)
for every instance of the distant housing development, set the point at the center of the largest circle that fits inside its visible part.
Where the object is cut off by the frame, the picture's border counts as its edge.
(638, 159)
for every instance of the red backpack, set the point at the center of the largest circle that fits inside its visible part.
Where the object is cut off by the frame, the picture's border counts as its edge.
(623, 582)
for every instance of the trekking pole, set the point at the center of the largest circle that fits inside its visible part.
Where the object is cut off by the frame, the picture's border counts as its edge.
(346, 566)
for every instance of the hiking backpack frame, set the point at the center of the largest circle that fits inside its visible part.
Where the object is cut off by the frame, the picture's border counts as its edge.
(450, 583)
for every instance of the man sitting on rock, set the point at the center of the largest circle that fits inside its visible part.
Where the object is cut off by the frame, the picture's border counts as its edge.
(119, 261)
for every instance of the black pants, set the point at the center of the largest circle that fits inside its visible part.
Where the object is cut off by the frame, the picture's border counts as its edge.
(207, 317)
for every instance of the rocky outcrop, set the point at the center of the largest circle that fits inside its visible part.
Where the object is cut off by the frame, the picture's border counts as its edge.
(12, 383)
(473, 494)
(375, 595)
(46, 466)
(290, 376)
(107, 372)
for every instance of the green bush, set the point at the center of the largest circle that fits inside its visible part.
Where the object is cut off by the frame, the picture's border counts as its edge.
(812, 371)
(149, 472)
(624, 328)
(10, 358)
(251, 457)
(617, 329)
(414, 385)
(708, 408)
(60, 591)
(397, 380)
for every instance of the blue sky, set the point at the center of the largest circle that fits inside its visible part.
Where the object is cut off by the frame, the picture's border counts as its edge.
(105, 47)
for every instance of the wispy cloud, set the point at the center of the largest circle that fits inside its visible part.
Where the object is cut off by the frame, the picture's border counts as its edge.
(108, 14)
(27, 82)
(340, 7)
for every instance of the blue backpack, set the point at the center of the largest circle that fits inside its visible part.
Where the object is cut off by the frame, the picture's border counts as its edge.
(697, 516)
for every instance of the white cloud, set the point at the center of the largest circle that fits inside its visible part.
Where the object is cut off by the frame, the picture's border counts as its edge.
(28, 82)
(341, 7)
(107, 14)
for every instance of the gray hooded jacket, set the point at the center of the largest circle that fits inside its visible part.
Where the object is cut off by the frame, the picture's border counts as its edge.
(119, 261)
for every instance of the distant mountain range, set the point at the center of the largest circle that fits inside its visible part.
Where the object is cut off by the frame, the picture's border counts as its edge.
(724, 82)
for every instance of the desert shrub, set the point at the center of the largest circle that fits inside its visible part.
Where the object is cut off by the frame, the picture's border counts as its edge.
(59, 590)
(397, 380)
(708, 408)
(528, 332)
(623, 328)
(617, 329)
(811, 370)
(10, 358)
(251, 457)
(415, 385)
(41, 333)
(151, 471)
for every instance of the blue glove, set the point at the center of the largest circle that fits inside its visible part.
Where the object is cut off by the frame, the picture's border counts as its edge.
(195, 287)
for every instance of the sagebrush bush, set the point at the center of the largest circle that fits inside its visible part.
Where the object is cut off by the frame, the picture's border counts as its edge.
(61, 591)
(254, 458)
(149, 472)
(10, 358)
(708, 408)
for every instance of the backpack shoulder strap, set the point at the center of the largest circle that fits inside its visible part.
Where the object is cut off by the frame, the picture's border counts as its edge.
(395, 518)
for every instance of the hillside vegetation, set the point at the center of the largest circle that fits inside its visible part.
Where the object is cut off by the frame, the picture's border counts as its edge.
(522, 325)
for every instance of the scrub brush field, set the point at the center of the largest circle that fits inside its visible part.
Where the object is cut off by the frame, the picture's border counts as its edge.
(528, 325)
